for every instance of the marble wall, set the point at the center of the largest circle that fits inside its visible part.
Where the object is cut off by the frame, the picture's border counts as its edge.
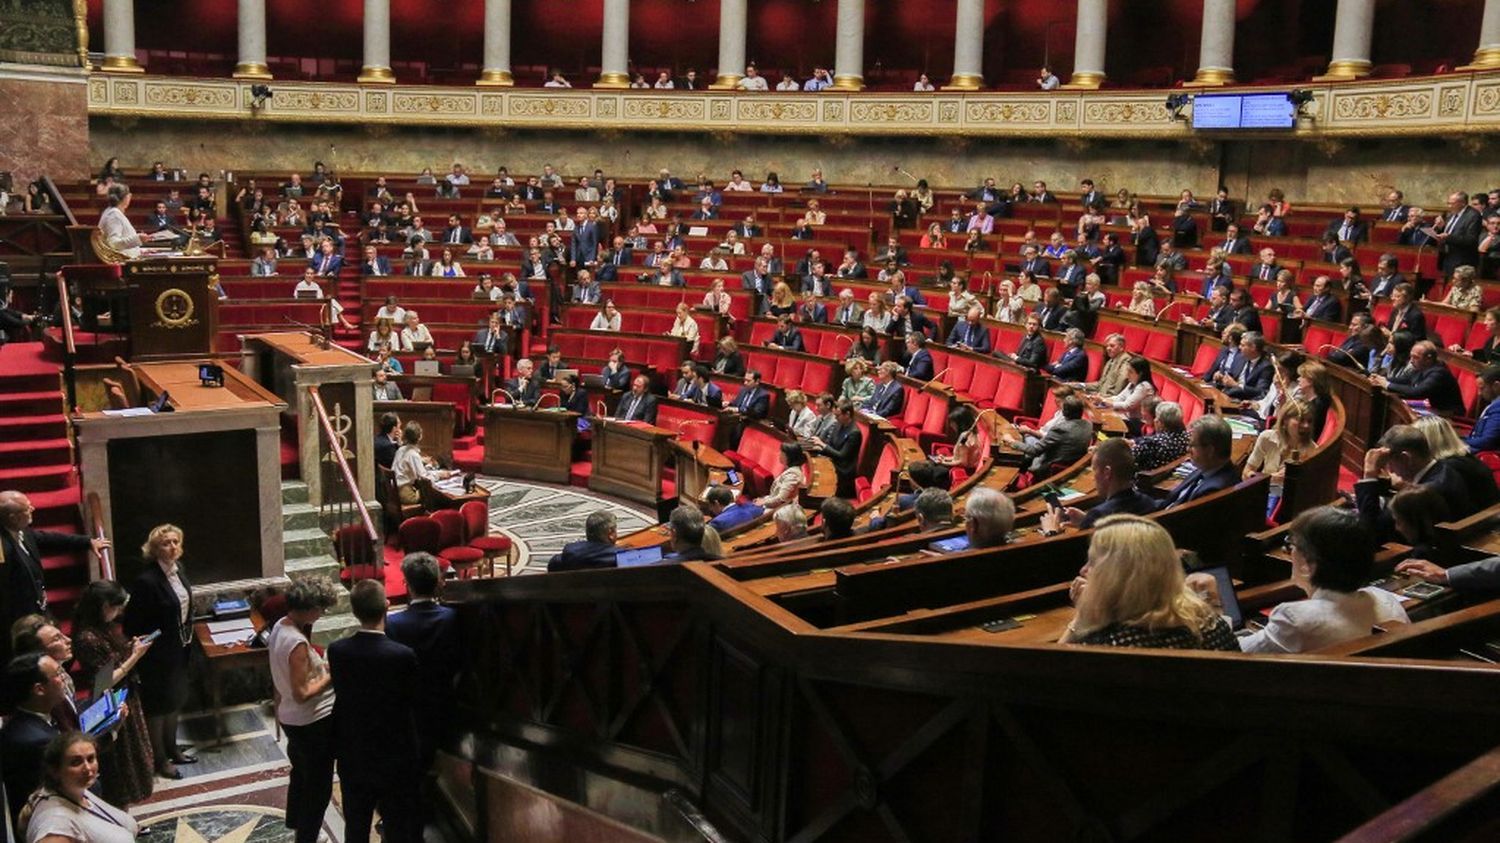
(1334, 171)
(49, 132)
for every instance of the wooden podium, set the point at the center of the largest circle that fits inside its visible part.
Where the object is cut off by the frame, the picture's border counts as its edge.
(628, 460)
(529, 444)
(174, 312)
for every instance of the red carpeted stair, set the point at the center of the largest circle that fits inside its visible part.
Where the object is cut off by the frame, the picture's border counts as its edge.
(35, 458)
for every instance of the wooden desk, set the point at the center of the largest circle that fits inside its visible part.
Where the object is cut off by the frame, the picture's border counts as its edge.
(306, 350)
(223, 659)
(435, 417)
(698, 467)
(189, 393)
(438, 497)
(530, 444)
(628, 460)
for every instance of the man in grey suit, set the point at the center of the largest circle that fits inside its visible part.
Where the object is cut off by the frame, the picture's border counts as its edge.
(1064, 442)
(1458, 234)
(1483, 575)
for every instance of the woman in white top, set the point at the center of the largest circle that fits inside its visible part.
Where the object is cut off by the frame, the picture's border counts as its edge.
(786, 485)
(1027, 287)
(1009, 307)
(1333, 556)
(878, 314)
(392, 311)
(385, 336)
(959, 297)
(686, 327)
(1274, 448)
(1138, 387)
(1141, 301)
(63, 810)
(772, 184)
(304, 705)
(732, 243)
(800, 419)
(486, 289)
(923, 84)
(607, 319)
(415, 332)
(410, 466)
(118, 233)
(656, 210)
(481, 250)
(714, 262)
(447, 267)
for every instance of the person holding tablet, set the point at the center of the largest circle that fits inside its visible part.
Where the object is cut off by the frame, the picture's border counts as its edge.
(127, 760)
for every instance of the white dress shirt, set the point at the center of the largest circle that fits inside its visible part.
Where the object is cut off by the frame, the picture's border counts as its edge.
(1324, 619)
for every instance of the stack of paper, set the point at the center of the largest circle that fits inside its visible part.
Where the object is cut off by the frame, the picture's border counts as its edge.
(231, 632)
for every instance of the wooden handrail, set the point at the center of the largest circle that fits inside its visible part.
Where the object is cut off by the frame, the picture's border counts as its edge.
(96, 531)
(67, 314)
(57, 196)
(1450, 798)
(338, 455)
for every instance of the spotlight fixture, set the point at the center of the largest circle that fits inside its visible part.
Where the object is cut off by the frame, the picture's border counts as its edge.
(1300, 97)
(260, 94)
(1176, 103)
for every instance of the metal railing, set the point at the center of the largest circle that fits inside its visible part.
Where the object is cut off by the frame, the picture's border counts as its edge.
(95, 513)
(341, 499)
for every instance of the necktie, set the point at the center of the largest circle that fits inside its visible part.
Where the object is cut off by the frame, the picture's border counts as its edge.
(1187, 490)
(1448, 229)
(1346, 233)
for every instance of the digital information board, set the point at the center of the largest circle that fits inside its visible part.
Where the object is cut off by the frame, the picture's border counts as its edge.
(1244, 111)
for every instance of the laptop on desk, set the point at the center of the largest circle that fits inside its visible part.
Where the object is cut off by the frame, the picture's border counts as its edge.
(636, 558)
(427, 368)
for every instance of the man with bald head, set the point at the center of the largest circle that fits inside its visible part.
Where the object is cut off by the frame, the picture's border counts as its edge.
(22, 549)
(1427, 379)
(637, 404)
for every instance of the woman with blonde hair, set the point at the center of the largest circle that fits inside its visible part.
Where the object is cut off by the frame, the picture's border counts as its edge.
(858, 386)
(161, 602)
(1141, 301)
(1132, 593)
(1465, 292)
(686, 327)
(1288, 440)
(878, 314)
(1451, 452)
(782, 302)
(1009, 306)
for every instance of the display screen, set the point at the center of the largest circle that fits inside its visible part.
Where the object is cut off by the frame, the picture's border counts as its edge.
(1244, 111)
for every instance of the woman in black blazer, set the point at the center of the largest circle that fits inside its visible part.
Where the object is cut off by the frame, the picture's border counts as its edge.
(161, 599)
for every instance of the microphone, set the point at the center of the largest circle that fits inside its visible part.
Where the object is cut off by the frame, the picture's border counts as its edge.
(601, 409)
(849, 337)
(506, 393)
(1163, 311)
(544, 396)
(934, 378)
(1342, 351)
(318, 334)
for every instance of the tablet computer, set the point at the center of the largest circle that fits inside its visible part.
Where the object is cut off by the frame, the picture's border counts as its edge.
(637, 558)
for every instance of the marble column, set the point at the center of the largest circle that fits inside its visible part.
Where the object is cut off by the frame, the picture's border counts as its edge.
(1353, 30)
(849, 47)
(1487, 57)
(252, 41)
(614, 60)
(496, 44)
(733, 21)
(1088, 44)
(119, 37)
(968, 47)
(377, 69)
(1216, 50)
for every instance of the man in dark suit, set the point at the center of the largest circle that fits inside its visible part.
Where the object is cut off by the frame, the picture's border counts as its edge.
(571, 395)
(889, 396)
(1395, 207)
(490, 339)
(747, 228)
(1114, 479)
(22, 550)
(32, 687)
(1032, 352)
(786, 337)
(1323, 304)
(1244, 309)
(1387, 278)
(583, 247)
(1210, 441)
(1354, 352)
(1228, 359)
(752, 402)
(1073, 363)
(1184, 229)
(1091, 195)
(758, 280)
(1235, 243)
(1403, 452)
(1051, 311)
(1486, 433)
(376, 685)
(1064, 442)
(918, 358)
(597, 550)
(906, 319)
(618, 256)
(456, 234)
(1428, 378)
(1458, 234)
(375, 263)
(969, 333)
(1033, 262)
(638, 404)
(1221, 210)
(842, 448)
(1252, 379)
(1350, 228)
(686, 524)
(1265, 271)
(385, 442)
(430, 629)
(525, 388)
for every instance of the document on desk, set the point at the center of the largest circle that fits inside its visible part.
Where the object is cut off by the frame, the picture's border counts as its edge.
(236, 631)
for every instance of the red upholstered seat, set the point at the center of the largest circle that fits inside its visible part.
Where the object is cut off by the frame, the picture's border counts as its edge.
(476, 518)
(356, 555)
(913, 411)
(451, 541)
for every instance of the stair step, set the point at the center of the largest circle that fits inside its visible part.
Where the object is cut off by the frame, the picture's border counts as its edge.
(299, 516)
(36, 478)
(31, 402)
(304, 543)
(34, 451)
(18, 428)
(63, 562)
(62, 596)
(293, 491)
(31, 382)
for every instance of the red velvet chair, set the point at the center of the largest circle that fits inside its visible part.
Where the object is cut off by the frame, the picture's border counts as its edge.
(476, 517)
(356, 555)
(451, 542)
(421, 534)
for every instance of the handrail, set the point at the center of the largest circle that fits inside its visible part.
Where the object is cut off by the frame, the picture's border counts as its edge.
(338, 455)
(96, 531)
(70, 349)
(57, 196)
(67, 314)
(1439, 809)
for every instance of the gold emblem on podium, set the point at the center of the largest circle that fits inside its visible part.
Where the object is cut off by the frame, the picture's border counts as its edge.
(174, 309)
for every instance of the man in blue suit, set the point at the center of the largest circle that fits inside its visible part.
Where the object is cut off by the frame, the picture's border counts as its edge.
(724, 512)
(620, 255)
(376, 683)
(1486, 433)
(969, 334)
(1209, 446)
(918, 358)
(889, 396)
(597, 550)
(1427, 379)
(752, 402)
(431, 631)
(1253, 378)
(583, 248)
(1073, 365)
(1403, 453)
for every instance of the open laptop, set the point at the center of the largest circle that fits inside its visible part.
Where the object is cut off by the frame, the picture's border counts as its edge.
(559, 374)
(637, 558)
(462, 370)
(427, 368)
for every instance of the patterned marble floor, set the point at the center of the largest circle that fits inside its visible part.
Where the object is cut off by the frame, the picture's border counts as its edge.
(541, 518)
